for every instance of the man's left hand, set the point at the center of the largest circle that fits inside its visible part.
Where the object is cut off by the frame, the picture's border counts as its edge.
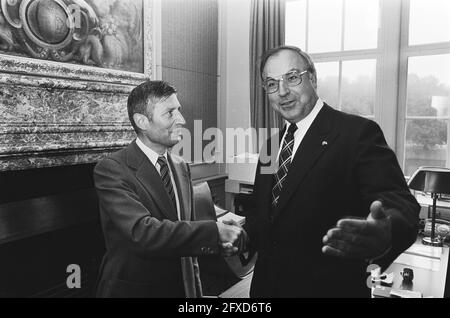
(360, 239)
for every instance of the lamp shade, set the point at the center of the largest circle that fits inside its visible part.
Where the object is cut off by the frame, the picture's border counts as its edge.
(431, 179)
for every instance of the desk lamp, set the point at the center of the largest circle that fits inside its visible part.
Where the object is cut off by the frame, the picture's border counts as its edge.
(434, 180)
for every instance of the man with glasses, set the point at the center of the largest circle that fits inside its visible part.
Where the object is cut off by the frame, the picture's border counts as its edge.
(336, 201)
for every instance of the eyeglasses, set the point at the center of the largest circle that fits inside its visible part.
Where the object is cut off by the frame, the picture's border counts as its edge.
(292, 78)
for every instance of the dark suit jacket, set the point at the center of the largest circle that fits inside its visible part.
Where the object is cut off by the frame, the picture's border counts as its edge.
(148, 250)
(342, 165)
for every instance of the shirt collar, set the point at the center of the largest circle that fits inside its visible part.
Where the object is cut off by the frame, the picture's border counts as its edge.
(306, 122)
(151, 154)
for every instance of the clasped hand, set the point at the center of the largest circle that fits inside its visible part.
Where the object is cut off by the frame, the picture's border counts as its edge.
(232, 237)
(360, 239)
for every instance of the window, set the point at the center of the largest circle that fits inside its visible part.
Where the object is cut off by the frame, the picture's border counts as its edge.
(358, 87)
(386, 60)
(328, 81)
(341, 36)
(324, 26)
(429, 21)
(361, 24)
(424, 117)
(427, 103)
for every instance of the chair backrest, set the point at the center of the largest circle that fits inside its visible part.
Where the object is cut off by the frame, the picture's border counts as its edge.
(204, 210)
(203, 203)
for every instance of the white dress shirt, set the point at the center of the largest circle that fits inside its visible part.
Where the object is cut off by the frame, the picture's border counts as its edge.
(303, 127)
(153, 157)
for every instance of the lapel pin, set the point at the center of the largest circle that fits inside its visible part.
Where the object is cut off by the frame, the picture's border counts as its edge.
(324, 143)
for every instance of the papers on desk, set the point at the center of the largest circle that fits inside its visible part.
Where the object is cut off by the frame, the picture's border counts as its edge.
(429, 263)
(232, 216)
(425, 250)
(422, 256)
(219, 211)
(387, 292)
(402, 293)
(242, 167)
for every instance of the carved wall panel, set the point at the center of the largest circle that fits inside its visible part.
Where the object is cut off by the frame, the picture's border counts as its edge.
(58, 106)
(101, 33)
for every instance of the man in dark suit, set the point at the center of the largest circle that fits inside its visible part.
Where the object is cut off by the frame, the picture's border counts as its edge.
(146, 207)
(337, 199)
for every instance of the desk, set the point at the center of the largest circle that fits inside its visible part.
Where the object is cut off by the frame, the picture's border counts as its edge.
(239, 290)
(430, 282)
(233, 187)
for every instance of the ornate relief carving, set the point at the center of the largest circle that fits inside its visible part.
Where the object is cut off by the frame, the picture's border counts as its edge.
(100, 33)
(60, 112)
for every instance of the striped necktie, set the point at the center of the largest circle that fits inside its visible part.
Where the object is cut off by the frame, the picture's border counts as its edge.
(284, 163)
(165, 176)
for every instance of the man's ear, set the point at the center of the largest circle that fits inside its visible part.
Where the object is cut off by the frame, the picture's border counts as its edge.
(141, 121)
(313, 80)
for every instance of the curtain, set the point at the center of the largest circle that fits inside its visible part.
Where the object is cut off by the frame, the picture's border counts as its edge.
(266, 32)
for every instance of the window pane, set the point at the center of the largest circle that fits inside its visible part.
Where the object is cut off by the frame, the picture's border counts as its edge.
(428, 85)
(361, 24)
(358, 86)
(328, 82)
(296, 23)
(325, 18)
(429, 21)
(426, 144)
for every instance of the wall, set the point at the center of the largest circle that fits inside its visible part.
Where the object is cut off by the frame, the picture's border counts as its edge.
(189, 38)
(189, 56)
(237, 66)
(234, 80)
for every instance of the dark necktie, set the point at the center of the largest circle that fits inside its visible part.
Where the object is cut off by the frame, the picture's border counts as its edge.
(165, 176)
(284, 162)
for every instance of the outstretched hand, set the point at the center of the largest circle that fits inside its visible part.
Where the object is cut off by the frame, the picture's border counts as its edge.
(360, 239)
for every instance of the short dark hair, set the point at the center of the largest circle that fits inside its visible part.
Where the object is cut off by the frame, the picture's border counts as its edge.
(153, 91)
(306, 58)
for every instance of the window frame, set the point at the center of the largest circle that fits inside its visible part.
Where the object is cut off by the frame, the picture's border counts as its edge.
(391, 55)
(378, 54)
(407, 51)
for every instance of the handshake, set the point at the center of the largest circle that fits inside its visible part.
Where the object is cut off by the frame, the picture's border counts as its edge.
(233, 238)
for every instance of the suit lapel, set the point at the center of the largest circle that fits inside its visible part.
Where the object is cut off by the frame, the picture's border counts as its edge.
(317, 140)
(150, 179)
(183, 189)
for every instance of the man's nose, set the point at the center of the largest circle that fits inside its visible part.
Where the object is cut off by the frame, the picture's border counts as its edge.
(179, 120)
(283, 88)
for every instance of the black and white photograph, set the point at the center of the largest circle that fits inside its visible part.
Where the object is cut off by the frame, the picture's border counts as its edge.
(224, 154)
